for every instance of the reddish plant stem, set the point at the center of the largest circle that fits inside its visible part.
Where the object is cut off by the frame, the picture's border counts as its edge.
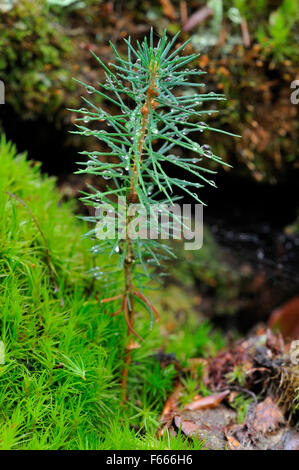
(133, 198)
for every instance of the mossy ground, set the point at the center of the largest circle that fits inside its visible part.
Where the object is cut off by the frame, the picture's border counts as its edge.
(59, 383)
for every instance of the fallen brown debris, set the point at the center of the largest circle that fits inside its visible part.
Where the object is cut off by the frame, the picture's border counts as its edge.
(259, 373)
(208, 402)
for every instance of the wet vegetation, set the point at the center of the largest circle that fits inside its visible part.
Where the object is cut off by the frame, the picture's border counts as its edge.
(63, 352)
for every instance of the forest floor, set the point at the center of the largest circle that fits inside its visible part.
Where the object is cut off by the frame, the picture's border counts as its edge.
(62, 354)
(191, 385)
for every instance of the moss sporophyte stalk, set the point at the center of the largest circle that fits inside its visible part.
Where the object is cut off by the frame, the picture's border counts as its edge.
(154, 110)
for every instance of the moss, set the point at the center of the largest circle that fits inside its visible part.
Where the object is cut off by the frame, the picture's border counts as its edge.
(59, 377)
(34, 52)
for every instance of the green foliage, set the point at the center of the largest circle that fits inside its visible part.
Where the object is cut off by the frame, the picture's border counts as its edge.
(158, 113)
(59, 383)
(237, 376)
(228, 15)
(274, 30)
(278, 38)
(189, 390)
(241, 404)
(21, 237)
(34, 51)
(249, 9)
(124, 438)
(194, 340)
(44, 397)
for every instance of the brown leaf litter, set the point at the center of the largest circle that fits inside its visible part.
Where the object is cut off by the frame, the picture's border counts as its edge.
(270, 374)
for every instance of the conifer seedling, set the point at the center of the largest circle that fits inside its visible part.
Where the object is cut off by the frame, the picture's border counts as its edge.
(152, 107)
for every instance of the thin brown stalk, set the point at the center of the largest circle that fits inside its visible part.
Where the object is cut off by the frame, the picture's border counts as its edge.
(52, 275)
(150, 103)
(245, 33)
(148, 303)
(110, 299)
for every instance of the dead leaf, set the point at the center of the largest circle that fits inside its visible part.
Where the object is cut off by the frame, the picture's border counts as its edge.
(267, 417)
(264, 428)
(207, 402)
(206, 425)
(171, 403)
(286, 319)
(188, 427)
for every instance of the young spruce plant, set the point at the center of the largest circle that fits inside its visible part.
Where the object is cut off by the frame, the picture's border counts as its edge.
(155, 109)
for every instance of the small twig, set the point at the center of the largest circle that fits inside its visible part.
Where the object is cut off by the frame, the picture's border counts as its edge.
(118, 312)
(128, 356)
(110, 299)
(198, 17)
(245, 33)
(222, 36)
(128, 320)
(242, 390)
(170, 408)
(44, 239)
